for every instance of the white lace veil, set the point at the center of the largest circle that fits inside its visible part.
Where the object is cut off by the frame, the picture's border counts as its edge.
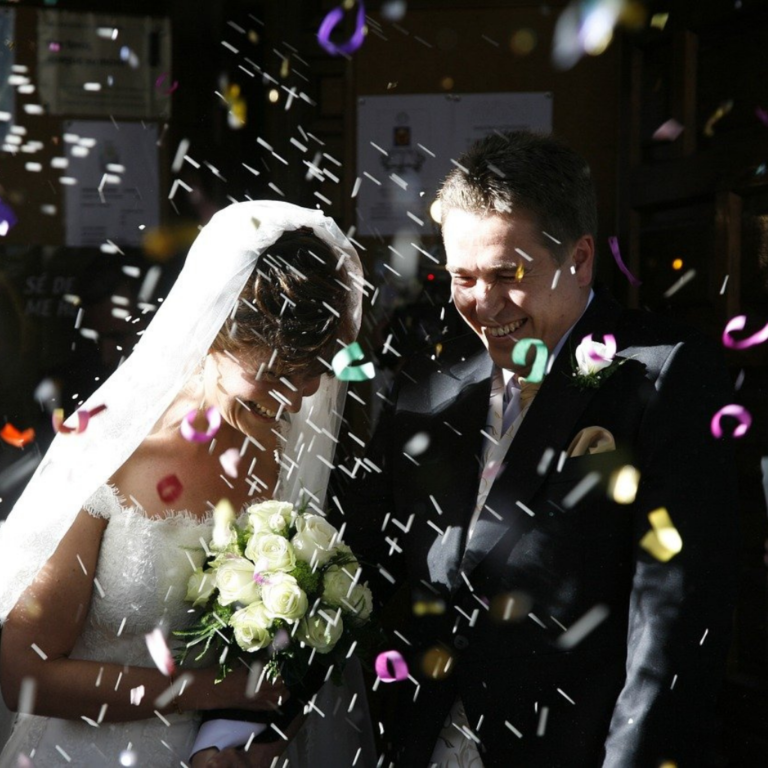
(216, 270)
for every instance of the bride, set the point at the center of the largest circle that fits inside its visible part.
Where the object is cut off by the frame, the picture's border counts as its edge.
(96, 555)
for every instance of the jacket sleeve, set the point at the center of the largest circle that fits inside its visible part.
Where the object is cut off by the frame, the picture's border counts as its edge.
(680, 610)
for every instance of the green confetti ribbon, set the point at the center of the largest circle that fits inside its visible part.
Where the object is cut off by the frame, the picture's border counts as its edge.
(343, 368)
(520, 353)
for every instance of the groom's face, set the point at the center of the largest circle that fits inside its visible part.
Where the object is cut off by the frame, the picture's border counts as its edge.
(504, 296)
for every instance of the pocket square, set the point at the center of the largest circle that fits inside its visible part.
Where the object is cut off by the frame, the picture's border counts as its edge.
(591, 440)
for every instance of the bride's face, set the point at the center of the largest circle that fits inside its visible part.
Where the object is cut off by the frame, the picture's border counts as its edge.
(251, 395)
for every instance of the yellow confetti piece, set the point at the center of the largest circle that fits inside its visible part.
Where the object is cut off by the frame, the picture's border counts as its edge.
(437, 663)
(664, 541)
(659, 20)
(718, 114)
(519, 272)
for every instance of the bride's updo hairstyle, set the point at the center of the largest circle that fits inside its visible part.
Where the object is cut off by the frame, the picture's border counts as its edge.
(296, 305)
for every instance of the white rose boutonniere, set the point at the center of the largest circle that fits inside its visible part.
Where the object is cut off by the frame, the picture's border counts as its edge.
(595, 361)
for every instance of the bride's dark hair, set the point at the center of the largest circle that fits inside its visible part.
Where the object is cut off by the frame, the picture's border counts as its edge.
(296, 305)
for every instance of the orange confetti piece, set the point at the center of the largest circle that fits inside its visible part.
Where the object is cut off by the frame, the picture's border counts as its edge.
(14, 437)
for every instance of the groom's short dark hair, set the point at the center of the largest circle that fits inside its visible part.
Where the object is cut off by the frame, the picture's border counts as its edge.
(532, 172)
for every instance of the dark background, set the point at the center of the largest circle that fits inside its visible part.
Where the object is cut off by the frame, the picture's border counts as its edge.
(697, 203)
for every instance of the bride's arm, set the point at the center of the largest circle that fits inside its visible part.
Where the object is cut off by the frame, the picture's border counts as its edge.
(50, 616)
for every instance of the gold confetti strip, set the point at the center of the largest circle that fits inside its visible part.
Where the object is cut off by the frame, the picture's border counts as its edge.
(724, 108)
(663, 542)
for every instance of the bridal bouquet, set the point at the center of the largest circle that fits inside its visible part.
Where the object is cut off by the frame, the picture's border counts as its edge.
(281, 581)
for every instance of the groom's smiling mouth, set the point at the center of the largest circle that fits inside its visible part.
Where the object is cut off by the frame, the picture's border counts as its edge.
(497, 331)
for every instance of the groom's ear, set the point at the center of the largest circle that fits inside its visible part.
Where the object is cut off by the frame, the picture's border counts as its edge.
(582, 259)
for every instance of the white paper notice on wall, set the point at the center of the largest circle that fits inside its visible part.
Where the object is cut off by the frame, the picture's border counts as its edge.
(114, 193)
(103, 65)
(405, 145)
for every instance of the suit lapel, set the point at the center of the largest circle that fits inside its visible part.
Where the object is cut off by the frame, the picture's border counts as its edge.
(460, 399)
(548, 424)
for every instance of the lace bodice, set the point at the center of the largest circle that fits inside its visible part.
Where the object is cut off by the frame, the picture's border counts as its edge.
(140, 584)
(141, 579)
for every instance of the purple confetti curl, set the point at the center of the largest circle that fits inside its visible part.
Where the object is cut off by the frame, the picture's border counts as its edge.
(329, 23)
(614, 243)
(739, 412)
(737, 324)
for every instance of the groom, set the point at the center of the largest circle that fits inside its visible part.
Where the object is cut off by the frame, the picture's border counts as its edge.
(568, 546)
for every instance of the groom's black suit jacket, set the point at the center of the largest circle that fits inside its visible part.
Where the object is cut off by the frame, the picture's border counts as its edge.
(637, 690)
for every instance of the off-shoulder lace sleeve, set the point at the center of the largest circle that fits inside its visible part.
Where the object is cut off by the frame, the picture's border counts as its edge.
(103, 503)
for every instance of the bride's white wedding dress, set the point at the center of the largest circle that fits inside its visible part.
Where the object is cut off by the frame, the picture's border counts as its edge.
(141, 577)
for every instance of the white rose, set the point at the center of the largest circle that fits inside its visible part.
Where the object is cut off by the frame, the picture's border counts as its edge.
(340, 588)
(274, 516)
(200, 587)
(586, 364)
(270, 552)
(338, 583)
(224, 531)
(315, 539)
(234, 579)
(251, 625)
(361, 600)
(283, 597)
(321, 631)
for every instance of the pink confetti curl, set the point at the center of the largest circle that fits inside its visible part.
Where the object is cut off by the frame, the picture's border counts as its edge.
(399, 667)
(161, 79)
(738, 412)
(329, 23)
(158, 650)
(737, 324)
(188, 432)
(614, 243)
(610, 348)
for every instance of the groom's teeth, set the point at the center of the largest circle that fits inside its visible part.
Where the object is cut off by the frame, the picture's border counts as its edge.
(503, 330)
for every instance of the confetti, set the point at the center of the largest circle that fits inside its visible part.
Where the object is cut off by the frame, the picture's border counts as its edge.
(169, 488)
(738, 412)
(188, 432)
(428, 608)
(161, 79)
(331, 21)
(724, 108)
(15, 437)
(581, 628)
(622, 486)
(229, 461)
(762, 115)
(510, 606)
(397, 662)
(613, 242)
(520, 352)
(158, 650)
(7, 218)
(137, 694)
(83, 417)
(437, 663)
(668, 131)
(663, 541)
(595, 354)
(343, 368)
(737, 324)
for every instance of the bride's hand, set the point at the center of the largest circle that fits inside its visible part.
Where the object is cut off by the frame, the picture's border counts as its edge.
(233, 692)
